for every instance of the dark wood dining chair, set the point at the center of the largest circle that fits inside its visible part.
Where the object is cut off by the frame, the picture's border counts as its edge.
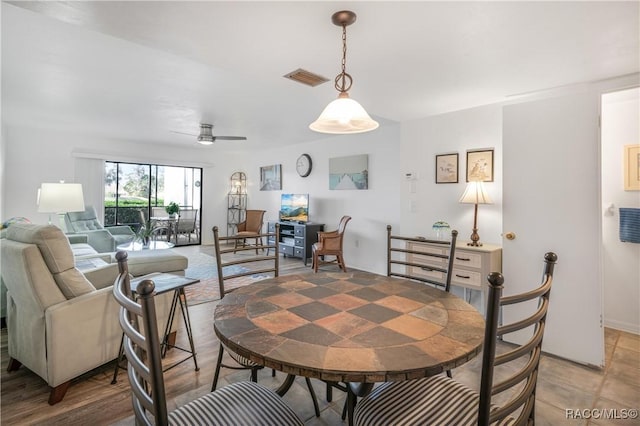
(330, 244)
(232, 270)
(241, 402)
(442, 400)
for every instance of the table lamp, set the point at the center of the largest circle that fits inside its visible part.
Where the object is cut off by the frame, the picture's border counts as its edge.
(60, 198)
(475, 193)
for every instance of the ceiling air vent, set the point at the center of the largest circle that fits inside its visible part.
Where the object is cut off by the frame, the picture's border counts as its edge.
(306, 77)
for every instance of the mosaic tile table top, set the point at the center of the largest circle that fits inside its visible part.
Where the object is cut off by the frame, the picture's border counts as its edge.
(349, 327)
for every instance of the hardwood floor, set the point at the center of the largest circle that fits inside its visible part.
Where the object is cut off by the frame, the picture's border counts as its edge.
(93, 400)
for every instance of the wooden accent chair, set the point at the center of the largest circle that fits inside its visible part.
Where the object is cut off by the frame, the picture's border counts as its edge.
(330, 244)
(242, 402)
(441, 400)
(251, 227)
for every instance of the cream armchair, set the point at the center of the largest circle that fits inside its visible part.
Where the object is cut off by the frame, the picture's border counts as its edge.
(61, 322)
(100, 238)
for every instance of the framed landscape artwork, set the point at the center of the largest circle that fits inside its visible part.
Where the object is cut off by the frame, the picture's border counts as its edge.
(349, 172)
(447, 168)
(632, 167)
(480, 165)
(271, 178)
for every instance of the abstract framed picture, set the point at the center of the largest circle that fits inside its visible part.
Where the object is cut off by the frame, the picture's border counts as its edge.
(480, 165)
(632, 167)
(271, 178)
(447, 168)
(349, 172)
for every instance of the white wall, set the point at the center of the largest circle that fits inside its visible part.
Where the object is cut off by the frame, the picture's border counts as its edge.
(621, 261)
(371, 210)
(425, 202)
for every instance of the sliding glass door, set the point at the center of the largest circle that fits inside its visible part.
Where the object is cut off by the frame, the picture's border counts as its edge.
(134, 188)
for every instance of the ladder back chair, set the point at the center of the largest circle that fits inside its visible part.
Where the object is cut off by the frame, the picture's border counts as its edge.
(242, 402)
(422, 259)
(231, 268)
(417, 261)
(442, 400)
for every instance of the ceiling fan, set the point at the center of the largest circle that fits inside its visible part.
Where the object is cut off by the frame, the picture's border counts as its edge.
(206, 136)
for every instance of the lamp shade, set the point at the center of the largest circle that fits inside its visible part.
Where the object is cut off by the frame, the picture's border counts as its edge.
(475, 193)
(344, 116)
(60, 198)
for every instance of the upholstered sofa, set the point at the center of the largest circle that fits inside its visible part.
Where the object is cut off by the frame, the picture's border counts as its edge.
(103, 240)
(62, 318)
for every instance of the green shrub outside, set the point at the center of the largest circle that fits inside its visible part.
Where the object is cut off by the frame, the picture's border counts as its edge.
(128, 212)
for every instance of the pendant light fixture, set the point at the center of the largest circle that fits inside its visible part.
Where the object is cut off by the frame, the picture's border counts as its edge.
(344, 115)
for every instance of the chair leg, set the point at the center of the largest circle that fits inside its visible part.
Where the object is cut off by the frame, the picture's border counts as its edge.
(341, 263)
(218, 364)
(313, 396)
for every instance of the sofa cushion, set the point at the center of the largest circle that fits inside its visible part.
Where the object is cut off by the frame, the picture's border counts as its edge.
(82, 249)
(144, 262)
(56, 252)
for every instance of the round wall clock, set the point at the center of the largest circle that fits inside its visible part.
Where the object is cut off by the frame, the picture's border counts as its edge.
(303, 165)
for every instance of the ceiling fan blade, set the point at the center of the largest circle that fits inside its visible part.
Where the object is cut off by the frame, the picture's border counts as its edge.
(183, 133)
(231, 138)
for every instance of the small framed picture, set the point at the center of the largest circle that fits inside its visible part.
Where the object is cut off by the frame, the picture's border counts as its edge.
(447, 168)
(480, 165)
(632, 167)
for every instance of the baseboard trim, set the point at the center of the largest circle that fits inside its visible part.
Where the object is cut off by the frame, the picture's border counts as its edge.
(623, 326)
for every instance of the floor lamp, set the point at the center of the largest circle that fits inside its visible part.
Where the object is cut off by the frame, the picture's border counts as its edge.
(60, 198)
(475, 193)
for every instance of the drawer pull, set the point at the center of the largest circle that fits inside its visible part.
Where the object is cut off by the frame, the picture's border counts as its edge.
(464, 259)
(426, 268)
(466, 277)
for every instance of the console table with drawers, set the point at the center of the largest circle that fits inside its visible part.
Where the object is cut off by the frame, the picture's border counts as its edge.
(470, 267)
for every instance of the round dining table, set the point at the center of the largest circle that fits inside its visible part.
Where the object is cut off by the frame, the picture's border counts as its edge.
(354, 327)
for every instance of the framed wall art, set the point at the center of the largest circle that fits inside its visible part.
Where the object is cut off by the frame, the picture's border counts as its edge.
(632, 167)
(349, 172)
(271, 178)
(480, 165)
(447, 168)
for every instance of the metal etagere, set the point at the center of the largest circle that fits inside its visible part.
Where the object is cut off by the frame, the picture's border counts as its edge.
(236, 201)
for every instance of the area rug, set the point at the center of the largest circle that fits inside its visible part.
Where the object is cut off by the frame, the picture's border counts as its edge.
(203, 267)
